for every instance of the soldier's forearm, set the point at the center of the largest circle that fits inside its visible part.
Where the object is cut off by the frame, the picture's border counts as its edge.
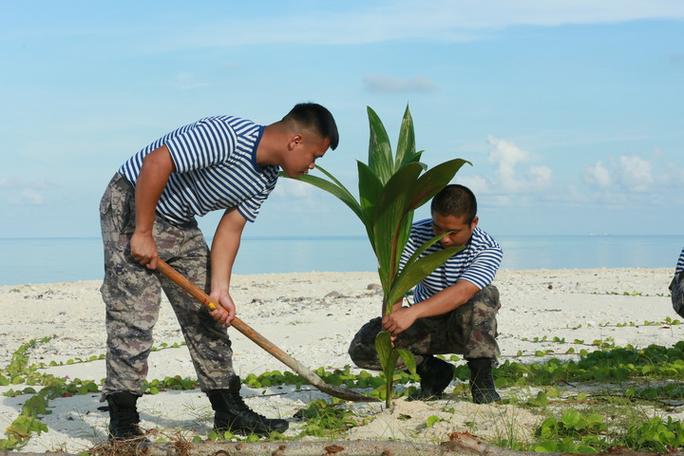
(446, 300)
(153, 177)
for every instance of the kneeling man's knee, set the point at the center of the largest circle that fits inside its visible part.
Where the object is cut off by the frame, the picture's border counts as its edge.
(362, 347)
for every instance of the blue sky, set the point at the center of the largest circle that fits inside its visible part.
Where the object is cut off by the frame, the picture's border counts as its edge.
(572, 112)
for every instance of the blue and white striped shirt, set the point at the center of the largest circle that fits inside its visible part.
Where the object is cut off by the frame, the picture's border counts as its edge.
(680, 263)
(216, 168)
(477, 262)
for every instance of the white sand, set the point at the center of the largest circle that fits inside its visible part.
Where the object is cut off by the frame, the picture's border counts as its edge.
(313, 316)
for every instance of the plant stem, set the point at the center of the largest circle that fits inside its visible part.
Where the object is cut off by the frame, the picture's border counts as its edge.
(388, 391)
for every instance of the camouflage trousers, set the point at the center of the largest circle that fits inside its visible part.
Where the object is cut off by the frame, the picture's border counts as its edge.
(677, 293)
(132, 294)
(469, 330)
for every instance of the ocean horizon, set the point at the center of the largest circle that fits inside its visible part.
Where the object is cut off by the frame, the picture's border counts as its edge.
(44, 260)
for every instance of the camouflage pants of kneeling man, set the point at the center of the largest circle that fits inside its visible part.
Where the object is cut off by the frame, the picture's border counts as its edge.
(469, 330)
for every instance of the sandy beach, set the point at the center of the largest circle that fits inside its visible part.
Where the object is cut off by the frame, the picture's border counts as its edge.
(313, 316)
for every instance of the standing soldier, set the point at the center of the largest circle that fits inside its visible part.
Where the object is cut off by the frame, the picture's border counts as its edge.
(148, 212)
(677, 286)
(455, 306)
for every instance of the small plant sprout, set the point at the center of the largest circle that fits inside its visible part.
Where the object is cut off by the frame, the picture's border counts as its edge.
(391, 187)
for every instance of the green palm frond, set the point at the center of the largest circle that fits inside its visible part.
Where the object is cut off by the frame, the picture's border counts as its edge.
(390, 189)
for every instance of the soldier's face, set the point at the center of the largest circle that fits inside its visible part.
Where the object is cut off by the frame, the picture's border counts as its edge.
(460, 230)
(303, 150)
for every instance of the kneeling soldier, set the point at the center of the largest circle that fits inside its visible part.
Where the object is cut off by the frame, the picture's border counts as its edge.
(455, 306)
(677, 286)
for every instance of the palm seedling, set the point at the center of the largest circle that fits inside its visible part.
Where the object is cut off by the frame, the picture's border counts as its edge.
(391, 187)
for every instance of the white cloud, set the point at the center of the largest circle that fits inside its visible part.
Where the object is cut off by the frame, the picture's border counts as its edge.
(509, 159)
(635, 172)
(361, 23)
(440, 20)
(507, 156)
(632, 172)
(628, 181)
(477, 184)
(33, 197)
(25, 196)
(293, 189)
(398, 85)
(598, 175)
(188, 81)
(19, 192)
(540, 176)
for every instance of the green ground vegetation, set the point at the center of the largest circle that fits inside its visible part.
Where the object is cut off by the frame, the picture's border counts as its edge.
(611, 397)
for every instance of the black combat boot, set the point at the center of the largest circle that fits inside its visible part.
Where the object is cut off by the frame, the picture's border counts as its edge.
(232, 414)
(123, 416)
(482, 381)
(435, 375)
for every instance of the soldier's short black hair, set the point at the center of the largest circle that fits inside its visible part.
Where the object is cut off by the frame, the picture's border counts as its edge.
(455, 200)
(317, 118)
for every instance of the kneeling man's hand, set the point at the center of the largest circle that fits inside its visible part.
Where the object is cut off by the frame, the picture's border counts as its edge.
(398, 321)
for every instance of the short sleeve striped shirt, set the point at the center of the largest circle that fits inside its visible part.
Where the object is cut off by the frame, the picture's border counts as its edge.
(477, 262)
(215, 160)
(680, 263)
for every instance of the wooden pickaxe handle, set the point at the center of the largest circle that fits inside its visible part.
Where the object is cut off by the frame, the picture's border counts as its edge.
(197, 293)
(343, 393)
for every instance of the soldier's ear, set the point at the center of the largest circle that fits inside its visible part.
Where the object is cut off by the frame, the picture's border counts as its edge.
(293, 142)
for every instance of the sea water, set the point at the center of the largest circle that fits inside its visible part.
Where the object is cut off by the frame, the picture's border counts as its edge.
(41, 260)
